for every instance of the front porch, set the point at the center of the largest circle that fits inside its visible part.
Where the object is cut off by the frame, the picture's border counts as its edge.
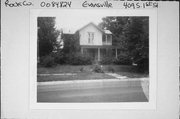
(99, 52)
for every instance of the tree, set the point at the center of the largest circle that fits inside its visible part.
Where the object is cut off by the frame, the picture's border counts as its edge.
(131, 34)
(116, 26)
(47, 35)
(71, 43)
(137, 34)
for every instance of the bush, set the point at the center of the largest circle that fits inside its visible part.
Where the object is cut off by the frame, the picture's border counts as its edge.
(123, 59)
(107, 60)
(143, 65)
(47, 61)
(78, 59)
(111, 69)
(98, 69)
(59, 58)
(81, 69)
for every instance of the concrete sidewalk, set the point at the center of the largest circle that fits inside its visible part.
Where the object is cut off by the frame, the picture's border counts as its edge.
(106, 90)
(84, 84)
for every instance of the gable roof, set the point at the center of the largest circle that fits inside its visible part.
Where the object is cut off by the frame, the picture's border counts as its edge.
(91, 23)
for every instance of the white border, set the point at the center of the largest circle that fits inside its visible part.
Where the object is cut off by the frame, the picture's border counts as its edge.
(152, 13)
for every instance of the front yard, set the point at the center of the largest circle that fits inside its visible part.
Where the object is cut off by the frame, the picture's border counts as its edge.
(69, 72)
(77, 76)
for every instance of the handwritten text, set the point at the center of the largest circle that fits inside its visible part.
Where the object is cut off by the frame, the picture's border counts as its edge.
(18, 4)
(62, 4)
(136, 5)
(105, 4)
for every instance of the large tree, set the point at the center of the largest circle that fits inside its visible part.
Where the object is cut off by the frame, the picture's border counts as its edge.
(116, 26)
(71, 43)
(47, 35)
(137, 34)
(132, 35)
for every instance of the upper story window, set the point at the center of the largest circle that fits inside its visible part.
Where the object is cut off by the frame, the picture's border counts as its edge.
(107, 39)
(90, 37)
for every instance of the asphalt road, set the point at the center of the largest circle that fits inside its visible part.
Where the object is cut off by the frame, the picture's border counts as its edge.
(92, 92)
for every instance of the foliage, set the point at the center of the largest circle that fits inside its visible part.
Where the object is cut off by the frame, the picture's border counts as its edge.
(130, 34)
(143, 65)
(81, 69)
(47, 35)
(78, 59)
(98, 69)
(123, 59)
(106, 60)
(59, 57)
(111, 69)
(114, 24)
(137, 34)
(71, 43)
(47, 61)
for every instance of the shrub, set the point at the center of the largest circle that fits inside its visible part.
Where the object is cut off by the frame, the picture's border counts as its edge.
(143, 65)
(111, 69)
(78, 59)
(123, 59)
(107, 60)
(98, 69)
(59, 58)
(47, 61)
(81, 69)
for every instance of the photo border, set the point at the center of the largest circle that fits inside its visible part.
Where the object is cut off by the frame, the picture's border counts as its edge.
(153, 43)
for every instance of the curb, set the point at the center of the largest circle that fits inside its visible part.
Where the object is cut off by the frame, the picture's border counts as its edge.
(90, 81)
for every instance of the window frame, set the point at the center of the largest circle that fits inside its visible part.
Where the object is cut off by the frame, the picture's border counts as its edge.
(91, 37)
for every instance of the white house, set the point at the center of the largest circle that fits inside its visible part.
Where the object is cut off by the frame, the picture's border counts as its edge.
(96, 42)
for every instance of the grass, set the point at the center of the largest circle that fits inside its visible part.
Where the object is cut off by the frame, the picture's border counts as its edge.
(78, 76)
(85, 72)
(133, 75)
(64, 69)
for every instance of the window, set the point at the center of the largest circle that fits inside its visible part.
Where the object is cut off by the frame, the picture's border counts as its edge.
(107, 39)
(90, 37)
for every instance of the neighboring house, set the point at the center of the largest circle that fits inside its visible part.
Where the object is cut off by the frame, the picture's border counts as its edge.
(96, 42)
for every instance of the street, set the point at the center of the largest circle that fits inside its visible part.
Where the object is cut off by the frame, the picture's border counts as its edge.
(92, 91)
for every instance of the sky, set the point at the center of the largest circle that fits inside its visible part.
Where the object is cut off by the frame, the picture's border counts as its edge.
(74, 20)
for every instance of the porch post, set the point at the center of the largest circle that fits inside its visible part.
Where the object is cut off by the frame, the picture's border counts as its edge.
(81, 50)
(116, 52)
(99, 54)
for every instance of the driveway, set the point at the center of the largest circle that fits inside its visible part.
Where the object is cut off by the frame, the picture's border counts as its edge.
(110, 90)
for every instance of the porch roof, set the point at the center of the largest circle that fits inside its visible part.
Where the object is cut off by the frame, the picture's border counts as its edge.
(100, 46)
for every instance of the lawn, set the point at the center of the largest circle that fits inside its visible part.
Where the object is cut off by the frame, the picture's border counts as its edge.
(84, 72)
(78, 76)
(133, 75)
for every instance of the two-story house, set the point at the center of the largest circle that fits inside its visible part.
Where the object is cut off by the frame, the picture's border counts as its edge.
(96, 42)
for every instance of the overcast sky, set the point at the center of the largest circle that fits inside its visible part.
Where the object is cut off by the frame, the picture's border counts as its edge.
(73, 20)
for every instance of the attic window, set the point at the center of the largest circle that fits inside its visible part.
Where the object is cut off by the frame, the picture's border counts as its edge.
(90, 37)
